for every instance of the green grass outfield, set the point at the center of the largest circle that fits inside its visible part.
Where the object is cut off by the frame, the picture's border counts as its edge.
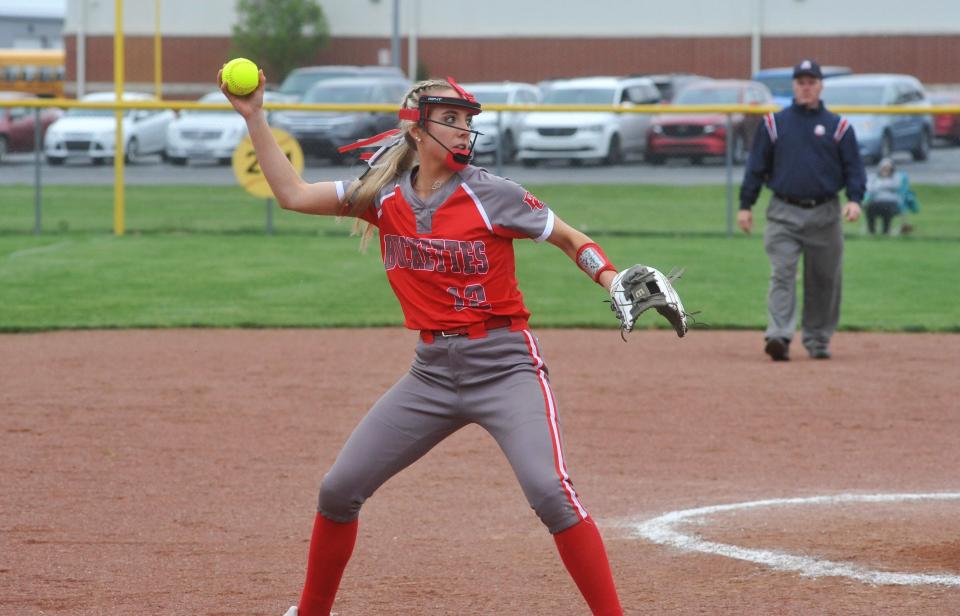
(196, 256)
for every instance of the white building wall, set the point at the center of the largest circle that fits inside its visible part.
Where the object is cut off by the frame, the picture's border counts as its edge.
(551, 18)
(24, 32)
(177, 17)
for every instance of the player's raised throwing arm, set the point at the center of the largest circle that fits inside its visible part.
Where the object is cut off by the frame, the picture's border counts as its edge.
(291, 191)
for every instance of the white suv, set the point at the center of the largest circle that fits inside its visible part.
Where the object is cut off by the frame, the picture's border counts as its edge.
(579, 135)
(501, 93)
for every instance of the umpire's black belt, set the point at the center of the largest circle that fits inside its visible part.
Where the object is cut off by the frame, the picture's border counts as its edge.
(805, 203)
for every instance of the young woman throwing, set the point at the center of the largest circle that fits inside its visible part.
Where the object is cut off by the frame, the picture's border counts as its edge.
(446, 231)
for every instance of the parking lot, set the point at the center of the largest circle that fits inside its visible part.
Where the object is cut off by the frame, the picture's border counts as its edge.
(943, 167)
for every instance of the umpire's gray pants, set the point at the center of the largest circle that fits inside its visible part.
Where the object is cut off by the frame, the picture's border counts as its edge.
(817, 235)
(499, 382)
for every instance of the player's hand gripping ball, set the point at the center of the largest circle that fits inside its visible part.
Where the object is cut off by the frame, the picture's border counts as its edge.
(241, 76)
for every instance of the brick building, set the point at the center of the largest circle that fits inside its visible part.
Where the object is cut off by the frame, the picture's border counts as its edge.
(539, 39)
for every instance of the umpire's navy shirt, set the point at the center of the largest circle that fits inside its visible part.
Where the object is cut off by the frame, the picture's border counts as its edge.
(813, 155)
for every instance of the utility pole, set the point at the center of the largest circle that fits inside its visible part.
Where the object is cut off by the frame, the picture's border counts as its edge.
(395, 42)
(82, 50)
(413, 31)
(756, 39)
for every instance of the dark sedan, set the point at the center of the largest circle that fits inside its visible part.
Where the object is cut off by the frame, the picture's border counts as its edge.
(320, 133)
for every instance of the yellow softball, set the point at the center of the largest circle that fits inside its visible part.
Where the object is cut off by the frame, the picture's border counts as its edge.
(241, 76)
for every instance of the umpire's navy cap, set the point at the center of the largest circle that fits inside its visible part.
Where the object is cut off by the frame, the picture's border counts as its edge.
(807, 68)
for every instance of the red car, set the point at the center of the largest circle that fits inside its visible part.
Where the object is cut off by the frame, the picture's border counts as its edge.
(16, 124)
(696, 135)
(946, 125)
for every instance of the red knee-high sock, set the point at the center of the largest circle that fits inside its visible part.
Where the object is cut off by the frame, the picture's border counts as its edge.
(582, 552)
(330, 548)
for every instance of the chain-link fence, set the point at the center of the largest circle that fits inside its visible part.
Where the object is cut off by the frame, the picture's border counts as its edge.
(637, 191)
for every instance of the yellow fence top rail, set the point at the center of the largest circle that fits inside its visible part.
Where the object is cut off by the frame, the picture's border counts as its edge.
(66, 103)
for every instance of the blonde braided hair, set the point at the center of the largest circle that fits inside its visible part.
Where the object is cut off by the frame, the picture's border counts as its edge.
(397, 160)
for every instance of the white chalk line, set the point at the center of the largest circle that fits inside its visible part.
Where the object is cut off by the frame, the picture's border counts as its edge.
(661, 530)
(38, 250)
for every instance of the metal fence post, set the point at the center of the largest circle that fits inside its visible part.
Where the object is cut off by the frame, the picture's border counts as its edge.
(269, 216)
(728, 156)
(36, 171)
(499, 152)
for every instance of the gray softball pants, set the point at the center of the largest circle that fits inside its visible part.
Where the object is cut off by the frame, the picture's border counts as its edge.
(816, 234)
(499, 382)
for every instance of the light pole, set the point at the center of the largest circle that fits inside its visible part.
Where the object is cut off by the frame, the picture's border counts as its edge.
(412, 33)
(395, 38)
(157, 52)
(82, 50)
(755, 37)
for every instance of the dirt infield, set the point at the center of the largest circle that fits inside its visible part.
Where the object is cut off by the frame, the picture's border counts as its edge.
(176, 472)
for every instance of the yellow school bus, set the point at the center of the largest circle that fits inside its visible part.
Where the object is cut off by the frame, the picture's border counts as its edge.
(37, 71)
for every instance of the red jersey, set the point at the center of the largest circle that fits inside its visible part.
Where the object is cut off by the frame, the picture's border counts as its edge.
(450, 259)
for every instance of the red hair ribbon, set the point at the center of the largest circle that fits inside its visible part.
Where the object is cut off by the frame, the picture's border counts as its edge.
(369, 141)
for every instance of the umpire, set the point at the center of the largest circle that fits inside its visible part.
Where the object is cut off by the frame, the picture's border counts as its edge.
(805, 155)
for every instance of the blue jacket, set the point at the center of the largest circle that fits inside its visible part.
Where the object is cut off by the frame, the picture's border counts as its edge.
(804, 153)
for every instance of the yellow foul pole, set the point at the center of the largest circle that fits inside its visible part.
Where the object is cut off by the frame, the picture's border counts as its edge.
(157, 52)
(118, 202)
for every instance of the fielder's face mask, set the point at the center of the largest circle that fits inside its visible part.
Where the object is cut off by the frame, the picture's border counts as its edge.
(457, 158)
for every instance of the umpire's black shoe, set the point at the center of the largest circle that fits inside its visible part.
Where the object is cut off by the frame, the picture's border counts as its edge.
(778, 349)
(820, 354)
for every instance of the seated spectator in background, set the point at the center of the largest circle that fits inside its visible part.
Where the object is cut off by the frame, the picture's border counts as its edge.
(888, 195)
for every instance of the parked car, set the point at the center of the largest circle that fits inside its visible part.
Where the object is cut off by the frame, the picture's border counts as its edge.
(208, 135)
(879, 135)
(695, 135)
(545, 84)
(502, 93)
(780, 81)
(90, 133)
(946, 126)
(581, 135)
(670, 84)
(320, 133)
(17, 124)
(299, 80)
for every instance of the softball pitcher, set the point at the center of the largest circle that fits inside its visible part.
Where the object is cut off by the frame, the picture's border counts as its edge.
(446, 231)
